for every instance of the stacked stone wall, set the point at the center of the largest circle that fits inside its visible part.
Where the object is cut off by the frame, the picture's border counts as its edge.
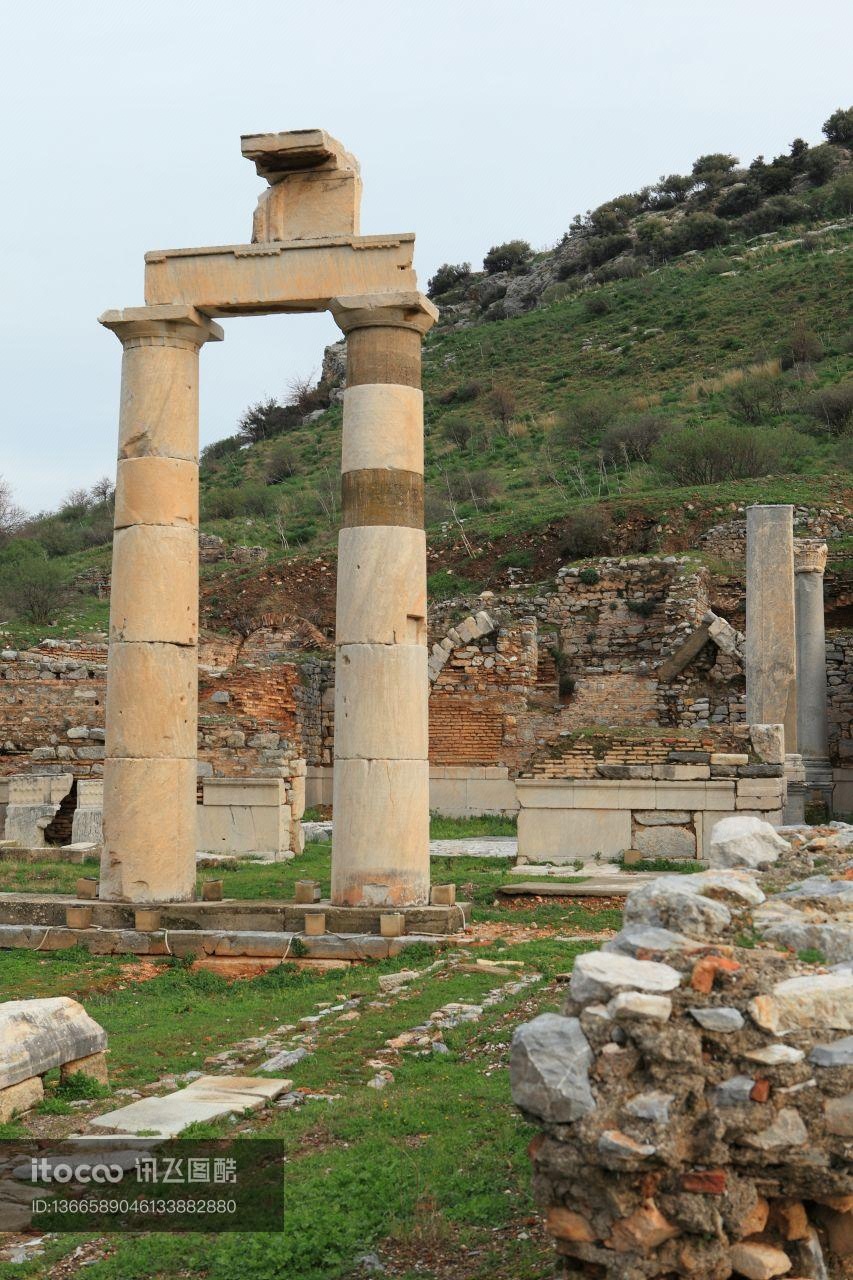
(839, 676)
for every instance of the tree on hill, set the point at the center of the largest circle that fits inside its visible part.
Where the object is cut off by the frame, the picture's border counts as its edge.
(11, 515)
(839, 127)
(507, 257)
(447, 276)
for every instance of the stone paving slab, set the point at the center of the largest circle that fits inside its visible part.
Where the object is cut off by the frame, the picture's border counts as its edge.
(207, 1098)
(479, 847)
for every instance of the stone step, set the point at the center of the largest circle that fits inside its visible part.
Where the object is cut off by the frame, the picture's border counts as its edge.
(263, 914)
(601, 887)
(211, 942)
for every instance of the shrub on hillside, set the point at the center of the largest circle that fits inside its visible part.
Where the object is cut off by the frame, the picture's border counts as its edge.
(700, 231)
(462, 394)
(801, 346)
(584, 417)
(502, 402)
(266, 419)
(832, 407)
(507, 257)
(778, 211)
(672, 189)
(447, 277)
(714, 170)
(820, 164)
(597, 304)
(631, 438)
(213, 454)
(839, 200)
(713, 452)
(755, 396)
(457, 429)
(250, 499)
(31, 586)
(839, 127)
(281, 462)
(587, 533)
(738, 199)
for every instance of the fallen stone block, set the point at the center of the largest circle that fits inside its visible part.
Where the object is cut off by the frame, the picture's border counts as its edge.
(38, 1035)
(745, 841)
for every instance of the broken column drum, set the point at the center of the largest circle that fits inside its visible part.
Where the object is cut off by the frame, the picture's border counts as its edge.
(306, 254)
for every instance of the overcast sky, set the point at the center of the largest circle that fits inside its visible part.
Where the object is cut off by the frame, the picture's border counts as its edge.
(475, 121)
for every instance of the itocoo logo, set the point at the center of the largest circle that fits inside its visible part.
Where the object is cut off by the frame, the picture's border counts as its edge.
(44, 1170)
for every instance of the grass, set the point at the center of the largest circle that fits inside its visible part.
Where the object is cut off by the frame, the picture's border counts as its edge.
(434, 1167)
(481, 827)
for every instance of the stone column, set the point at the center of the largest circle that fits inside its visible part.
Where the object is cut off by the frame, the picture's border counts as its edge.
(771, 654)
(152, 668)
(812, 719)
(380, 851)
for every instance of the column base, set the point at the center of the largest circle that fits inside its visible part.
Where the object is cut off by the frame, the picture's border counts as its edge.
(795, 802)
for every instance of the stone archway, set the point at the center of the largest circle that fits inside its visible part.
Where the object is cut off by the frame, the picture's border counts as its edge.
(306, 254)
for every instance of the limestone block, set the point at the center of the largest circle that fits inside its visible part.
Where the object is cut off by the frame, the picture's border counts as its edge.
(448, 796)
(825, 1000)
(90, 792)
(149, 830)
(381, 856)
(25, 824)
(305, 206)
(18, 1098)
(491, 795)
(383, 427)
(768, 742)
(744, 841)
(155, 585)
(554, 835)
(156, 491)
(38, 1035)
(550, 1059)
(257, 279)
(87, 825)
(152, 700)
(665, 842)
(256, 792)
(93, 1066)
(599, 975)
(381, 593)
(159, 402)
(381, 701)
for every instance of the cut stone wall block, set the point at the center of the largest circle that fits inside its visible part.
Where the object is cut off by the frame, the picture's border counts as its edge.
(149, 830)
(154, 594)
(15, 1099)
(152, 701)
(383, 427)
(381, 594)
(156, 491)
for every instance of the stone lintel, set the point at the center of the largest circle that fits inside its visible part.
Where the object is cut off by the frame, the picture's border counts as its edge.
(281, 276)
(810, 555)
(160, 319)
(407, 309)
(277, 154)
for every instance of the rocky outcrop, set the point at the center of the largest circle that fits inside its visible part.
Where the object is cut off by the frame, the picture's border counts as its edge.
(695, 1094)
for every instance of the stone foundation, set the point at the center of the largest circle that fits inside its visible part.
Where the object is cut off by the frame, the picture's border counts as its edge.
(695, 1093)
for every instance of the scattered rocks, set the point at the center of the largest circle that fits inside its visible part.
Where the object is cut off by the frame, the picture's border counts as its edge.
(598, 974)
(745, 841)
(722, 1018)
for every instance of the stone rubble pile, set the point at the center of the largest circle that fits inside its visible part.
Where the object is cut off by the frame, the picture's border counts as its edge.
(695, 1093)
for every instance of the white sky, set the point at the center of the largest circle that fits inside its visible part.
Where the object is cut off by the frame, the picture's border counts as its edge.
(475, 121)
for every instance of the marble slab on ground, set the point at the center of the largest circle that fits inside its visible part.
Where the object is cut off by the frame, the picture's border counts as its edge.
(475, 847)
(595, 870)
(207, 1098)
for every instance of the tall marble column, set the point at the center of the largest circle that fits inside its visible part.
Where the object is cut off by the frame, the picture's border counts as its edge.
(380, 852)
(771, 655)
(812, 718)
(152, 666)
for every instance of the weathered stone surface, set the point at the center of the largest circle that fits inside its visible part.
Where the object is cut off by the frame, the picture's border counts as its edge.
(38, 1035)
(566, 1224)
(786, 1130)
(393, 563)
(838, 1113)
(822, 1000)
(644, 1230)
(720, 1018)
(745, 841)
(838, 1053)
(93, 1067)
(734, 1092)
(768, 742)
(667, 904)
(549, 1069)
(206, 1098)
(619, 1146)
(639, 1004)
(758, 1261)
(661, 817)
(20, 1097)
(653, 1105)
(774, 1055)
(665, 842)
(636, 938)
(597, 975)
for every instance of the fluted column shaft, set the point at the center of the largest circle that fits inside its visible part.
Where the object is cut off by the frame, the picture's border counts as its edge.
(380, 852)
(149, 814)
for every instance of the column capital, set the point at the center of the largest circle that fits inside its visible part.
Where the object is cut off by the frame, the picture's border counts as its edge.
(810, 555)
(170, 322)
(405, 310)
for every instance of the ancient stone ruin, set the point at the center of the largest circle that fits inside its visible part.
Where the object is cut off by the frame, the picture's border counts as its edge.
(306, 254)
(39, 1035)
(695, 1092)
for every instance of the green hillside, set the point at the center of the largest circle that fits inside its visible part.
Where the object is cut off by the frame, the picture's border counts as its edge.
(598, 397)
